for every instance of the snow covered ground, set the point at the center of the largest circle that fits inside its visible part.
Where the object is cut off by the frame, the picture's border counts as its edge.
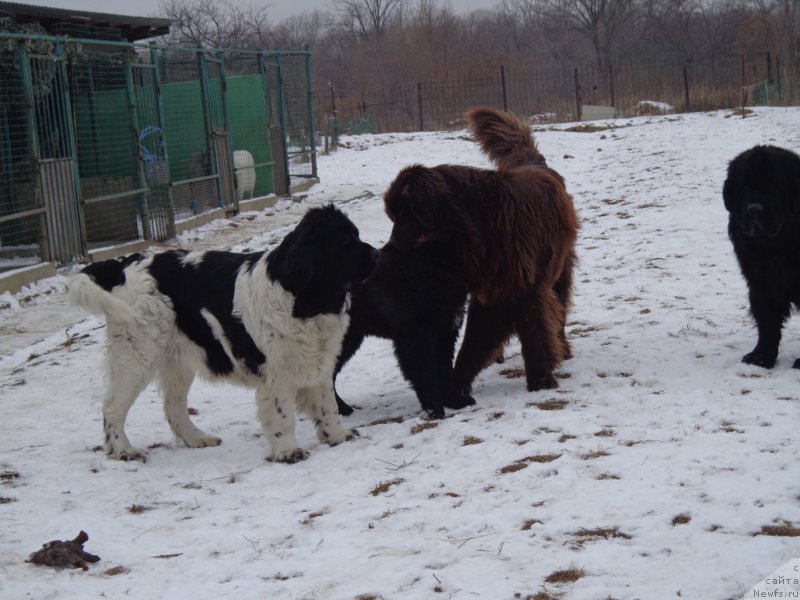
(656, 470)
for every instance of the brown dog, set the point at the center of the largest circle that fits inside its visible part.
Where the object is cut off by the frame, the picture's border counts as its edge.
(515, 228)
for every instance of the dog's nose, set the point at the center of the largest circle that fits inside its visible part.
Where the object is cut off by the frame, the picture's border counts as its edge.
(755, 210)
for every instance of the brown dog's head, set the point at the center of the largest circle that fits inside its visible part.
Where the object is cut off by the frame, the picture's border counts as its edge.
(414, 202)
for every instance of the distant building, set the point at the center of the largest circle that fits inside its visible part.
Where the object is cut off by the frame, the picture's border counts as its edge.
(16, 17)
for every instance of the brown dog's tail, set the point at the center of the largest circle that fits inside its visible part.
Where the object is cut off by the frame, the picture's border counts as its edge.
(507, 141)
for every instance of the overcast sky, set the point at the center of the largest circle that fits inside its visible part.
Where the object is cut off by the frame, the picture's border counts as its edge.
(279, 9)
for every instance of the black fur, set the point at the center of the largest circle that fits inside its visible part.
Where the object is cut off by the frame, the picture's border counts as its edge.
(111, 273)
(762, 195)
(416, 299)
(306, 251)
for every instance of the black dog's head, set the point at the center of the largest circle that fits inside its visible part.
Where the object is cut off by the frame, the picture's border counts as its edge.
(762, 193)
(319, 261)
(416, 202)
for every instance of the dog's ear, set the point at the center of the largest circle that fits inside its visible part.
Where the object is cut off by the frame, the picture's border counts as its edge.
(731, 184)
(295, 261)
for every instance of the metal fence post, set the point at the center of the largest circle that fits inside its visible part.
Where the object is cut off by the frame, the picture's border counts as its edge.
(164, 141)
(419, 107)
(311, 123)
(134, 125)
(227, 126)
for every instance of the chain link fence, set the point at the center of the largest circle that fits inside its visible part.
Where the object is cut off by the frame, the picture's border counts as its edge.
(562, 95)
(104, 142)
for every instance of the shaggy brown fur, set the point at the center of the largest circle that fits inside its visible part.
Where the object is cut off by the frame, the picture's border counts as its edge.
(515, 228)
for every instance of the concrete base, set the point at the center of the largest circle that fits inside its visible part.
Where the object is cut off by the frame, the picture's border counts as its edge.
(14, 281)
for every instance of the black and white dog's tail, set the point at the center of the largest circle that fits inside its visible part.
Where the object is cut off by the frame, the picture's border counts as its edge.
(94, 299)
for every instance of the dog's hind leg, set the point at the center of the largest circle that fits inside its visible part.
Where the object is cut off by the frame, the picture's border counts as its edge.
(563, 289)
(126, 380)
(538, 320)
(319, 402)
(175, 381)
(487, 328)
(418, 362)
(350, 345)
(445, 350)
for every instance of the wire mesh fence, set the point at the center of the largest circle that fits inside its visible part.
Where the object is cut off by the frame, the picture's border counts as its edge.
(562, 95)
(104, 142)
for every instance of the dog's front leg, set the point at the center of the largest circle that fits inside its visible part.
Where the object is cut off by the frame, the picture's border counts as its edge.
(275, 409)
(320, 403)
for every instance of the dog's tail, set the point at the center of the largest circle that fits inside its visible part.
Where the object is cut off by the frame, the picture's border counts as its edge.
(507, 141)
(94, 299)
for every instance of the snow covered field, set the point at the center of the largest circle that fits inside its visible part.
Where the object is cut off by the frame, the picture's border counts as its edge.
(661, 468)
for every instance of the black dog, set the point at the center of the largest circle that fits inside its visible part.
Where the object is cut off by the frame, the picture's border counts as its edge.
(416, 299)
(762, 195)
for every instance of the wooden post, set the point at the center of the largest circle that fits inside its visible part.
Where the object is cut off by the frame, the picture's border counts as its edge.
(686, 86)
(419, 107)
(611, 85)
(578, 105)
(503, 85)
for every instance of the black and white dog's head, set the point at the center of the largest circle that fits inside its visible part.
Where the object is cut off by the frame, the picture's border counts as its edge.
(762, 193)
(319, 261)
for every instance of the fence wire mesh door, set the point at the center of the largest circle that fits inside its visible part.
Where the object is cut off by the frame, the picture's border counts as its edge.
(22, 220)
(271, 73)
(157, 215)
(217, 124)
(56, 165)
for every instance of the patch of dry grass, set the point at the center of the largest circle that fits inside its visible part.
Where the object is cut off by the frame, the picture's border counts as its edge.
(522, 463)
(471, 440)
(551, 404)
(681, 519)
(384, 486)
(420, 427)
(604, 533)
(526, 526)
(513, 373)
(785, 529)
(570, 575)
(386, 421)
(593, 455)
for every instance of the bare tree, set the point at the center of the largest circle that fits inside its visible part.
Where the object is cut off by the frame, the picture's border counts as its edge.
(367, 18)
(601, 21)
(217, 23)
(311, 28)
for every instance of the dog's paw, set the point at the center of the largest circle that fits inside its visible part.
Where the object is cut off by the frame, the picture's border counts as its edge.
(128, 454)
(759, 359)
(204, 441)
(458, 402)
(291, 456)
(548, 382)
(332, 438)
(437, 412)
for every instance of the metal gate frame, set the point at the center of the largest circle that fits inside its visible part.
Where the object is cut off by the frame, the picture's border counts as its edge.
(56, 178)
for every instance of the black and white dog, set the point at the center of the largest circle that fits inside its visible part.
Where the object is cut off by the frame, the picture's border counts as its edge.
(273, 322)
